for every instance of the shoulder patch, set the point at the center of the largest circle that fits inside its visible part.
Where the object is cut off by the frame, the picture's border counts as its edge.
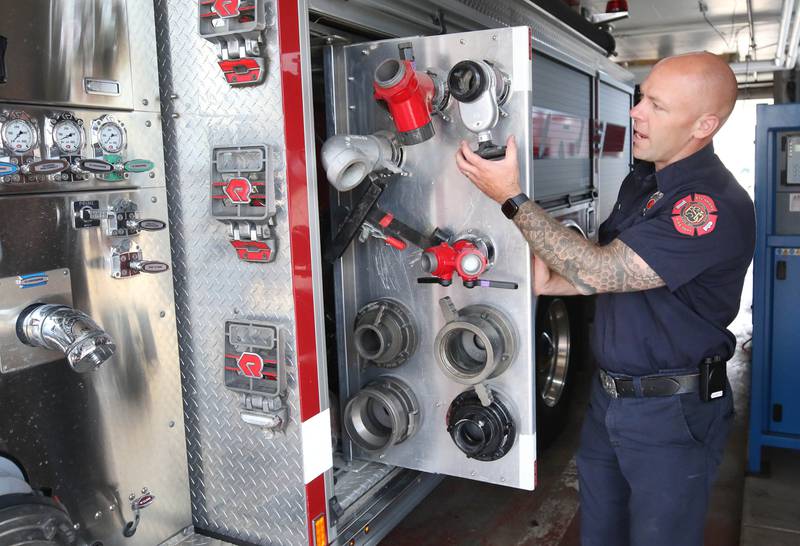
(694, 215)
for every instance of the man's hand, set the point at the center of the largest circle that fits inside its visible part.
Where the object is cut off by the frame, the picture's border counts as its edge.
(497, 179)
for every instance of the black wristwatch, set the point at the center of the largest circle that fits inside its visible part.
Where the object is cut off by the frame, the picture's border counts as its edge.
(511, 206)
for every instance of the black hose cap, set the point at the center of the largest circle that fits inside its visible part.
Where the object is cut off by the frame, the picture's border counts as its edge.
(480, 432)
(467, 81)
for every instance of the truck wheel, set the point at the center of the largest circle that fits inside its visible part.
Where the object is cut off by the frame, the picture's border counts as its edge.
(555, 361)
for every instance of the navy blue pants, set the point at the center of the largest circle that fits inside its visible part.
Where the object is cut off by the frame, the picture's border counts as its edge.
(646, 467)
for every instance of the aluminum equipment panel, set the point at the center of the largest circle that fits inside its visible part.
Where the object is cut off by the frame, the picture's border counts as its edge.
(436, 194)
(72, 53)
(141, 139)
(99, 437)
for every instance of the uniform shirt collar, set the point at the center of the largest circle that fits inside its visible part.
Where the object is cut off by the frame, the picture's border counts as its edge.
(676, 173)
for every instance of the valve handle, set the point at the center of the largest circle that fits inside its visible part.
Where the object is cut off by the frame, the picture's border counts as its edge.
(47, 166)
(485, 283)
(488, 150)
(395, 243)
(138, 166)
(433, 280)
(96, 166)
(149, 266)
(148, 224)
(7, 169)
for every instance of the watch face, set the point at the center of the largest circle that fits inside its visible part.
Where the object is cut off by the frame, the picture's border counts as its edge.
(509, 208)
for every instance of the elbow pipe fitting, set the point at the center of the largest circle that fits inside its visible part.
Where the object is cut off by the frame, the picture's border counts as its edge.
(348, 159)
(62, 328)
(410, 97)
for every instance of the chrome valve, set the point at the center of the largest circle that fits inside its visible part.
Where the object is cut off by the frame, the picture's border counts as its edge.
(62, 328)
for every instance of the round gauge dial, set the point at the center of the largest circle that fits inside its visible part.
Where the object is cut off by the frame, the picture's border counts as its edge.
(111, 137)
(68, 136)
(19, 136)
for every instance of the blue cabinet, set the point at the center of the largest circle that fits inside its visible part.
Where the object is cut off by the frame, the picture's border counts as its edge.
(775, 402)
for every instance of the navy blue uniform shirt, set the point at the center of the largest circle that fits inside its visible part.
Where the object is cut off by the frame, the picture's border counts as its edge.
(694, 225)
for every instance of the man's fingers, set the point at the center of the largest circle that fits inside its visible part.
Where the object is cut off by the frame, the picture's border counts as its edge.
(511, 148)
(464, 166)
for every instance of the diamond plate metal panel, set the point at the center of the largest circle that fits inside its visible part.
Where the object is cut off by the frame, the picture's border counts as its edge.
(243, 485)
(144, 57)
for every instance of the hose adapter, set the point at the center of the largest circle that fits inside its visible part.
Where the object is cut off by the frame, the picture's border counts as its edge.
(348, 159)
(411, 97)
(62, 328)
(383, 414)
(482, 432)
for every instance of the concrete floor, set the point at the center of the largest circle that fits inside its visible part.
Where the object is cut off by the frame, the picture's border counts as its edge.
(463, 512)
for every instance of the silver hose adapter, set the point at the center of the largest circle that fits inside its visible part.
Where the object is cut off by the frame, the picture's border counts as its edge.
(478, 342)
(382, 414)
(62, 328)
(348, 159)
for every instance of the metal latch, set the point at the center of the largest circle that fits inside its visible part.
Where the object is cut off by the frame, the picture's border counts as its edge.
(127, 261)
(236, 28)
(255, 367)
(243, 197)
(253, 243)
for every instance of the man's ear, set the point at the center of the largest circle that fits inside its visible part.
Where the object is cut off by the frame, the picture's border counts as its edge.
(705, 126)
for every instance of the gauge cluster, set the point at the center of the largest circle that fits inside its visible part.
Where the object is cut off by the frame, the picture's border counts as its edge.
(56, 147)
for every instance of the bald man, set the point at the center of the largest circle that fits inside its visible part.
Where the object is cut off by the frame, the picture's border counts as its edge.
(668, 270)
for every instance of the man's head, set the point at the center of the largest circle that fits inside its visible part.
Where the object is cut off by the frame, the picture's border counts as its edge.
(685, 100)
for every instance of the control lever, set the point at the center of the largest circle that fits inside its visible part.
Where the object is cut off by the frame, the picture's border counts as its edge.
(7, 169)
(489, 150)
(94, 166)
(46, 167)
(147, 224)
(148, 266)
(381, 224)
(138, 166)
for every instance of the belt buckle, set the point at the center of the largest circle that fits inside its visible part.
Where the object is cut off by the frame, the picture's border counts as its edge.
(609, 384)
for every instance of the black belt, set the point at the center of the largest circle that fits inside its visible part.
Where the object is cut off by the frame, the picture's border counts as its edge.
(652, 385)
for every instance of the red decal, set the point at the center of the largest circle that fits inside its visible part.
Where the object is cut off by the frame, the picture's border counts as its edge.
(252, 251)
(226, 8)
(681, 227)
(651, 203)
(251, 365)
(707, 201)
(693, 215)
(676, 208)
(238, 190)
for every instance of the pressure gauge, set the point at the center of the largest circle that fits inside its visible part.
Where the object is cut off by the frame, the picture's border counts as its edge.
(111, 137)
(68, 136)
(19, 136)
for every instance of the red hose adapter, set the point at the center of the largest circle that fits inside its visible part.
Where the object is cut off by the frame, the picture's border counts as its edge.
(409, 96)
(462, 258)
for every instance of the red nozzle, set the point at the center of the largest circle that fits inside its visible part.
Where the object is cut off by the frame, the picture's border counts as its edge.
(409, 96)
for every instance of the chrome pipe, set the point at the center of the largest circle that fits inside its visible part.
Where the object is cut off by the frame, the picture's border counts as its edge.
(62, 328)
(783, 31)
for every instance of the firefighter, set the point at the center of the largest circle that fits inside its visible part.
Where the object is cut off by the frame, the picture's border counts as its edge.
(668, 271)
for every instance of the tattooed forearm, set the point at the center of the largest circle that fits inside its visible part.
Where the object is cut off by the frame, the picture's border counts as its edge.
(592, 269)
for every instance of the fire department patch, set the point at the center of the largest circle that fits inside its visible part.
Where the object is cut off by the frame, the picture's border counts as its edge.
(694, 215)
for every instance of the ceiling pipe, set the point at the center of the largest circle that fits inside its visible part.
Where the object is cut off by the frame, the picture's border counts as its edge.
(794, 39)
(783, 31)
